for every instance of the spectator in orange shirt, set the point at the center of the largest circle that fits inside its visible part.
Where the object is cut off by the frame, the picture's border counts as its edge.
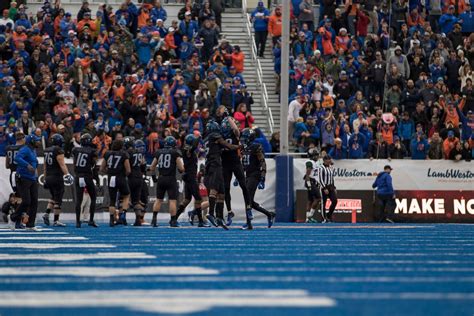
(143, 16)
(449, 143)
(342, 40)
(102, 141)
(274, 25)
(169, 41)
(415, 19)
(238, 58)
(328, 101)
(86, 21)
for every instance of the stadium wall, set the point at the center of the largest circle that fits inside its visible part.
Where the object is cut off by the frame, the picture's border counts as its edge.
(434, 191)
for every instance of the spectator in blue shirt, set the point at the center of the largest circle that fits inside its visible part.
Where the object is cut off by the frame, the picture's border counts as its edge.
(447, 20)
(260, 24)
(419, 147)
(158, 12)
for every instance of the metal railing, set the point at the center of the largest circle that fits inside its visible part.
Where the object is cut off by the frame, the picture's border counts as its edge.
(260, 84)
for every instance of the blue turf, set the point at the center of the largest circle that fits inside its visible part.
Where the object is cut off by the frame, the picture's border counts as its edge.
(434, 262)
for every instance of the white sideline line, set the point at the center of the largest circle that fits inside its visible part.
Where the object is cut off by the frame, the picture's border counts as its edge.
(249, 280)
(53, 246)
(401, 296)
(38, 229)
(43, 238)
(19, 232)
(165, 301)
(100, 272)
(349, 269)
(77, 256)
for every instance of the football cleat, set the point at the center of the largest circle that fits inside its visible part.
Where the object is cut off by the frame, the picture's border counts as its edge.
(46, 219)
(174, 223)
(247, 227)
(154, 223)
(204, 224)
(211, 220)
(311, 220)
(122, 219)
(59, 224)
(220, 223)
(19, 225)
(137, 222)
(230, 215)
(271, 219)
(93, 224)
(32, 229)
(389, 220)
(78, 224)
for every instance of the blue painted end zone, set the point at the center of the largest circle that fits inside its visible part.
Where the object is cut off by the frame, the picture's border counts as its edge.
(364, 269)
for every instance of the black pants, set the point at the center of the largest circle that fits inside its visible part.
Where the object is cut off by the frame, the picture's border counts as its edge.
(386, 206)
(234, 168)
(332, 195)
(219, 19)
(28, 191)
(135, 184)
(261, 41)
(144, 194)
(251, 183)
(275, 40)
(80, 196)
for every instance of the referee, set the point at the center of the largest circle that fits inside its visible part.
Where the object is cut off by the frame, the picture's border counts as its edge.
(326, 182)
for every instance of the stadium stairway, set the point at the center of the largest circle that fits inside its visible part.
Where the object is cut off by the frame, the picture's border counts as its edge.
(234, 30)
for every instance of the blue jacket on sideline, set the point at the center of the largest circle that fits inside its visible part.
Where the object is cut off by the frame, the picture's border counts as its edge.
(383, 183)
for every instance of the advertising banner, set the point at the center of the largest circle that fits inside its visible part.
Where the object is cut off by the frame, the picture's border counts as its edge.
(426, 191)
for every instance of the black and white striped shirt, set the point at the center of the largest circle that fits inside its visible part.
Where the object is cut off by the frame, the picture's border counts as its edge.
(326, 176)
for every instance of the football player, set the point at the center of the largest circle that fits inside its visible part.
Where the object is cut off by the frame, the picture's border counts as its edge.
(253, 160)
(55, 173)
(166, 160)
(116, 164)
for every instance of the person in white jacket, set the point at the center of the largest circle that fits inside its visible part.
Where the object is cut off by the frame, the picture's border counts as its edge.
(293, 114)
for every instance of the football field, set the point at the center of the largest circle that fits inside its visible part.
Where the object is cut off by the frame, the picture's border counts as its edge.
(291, 269)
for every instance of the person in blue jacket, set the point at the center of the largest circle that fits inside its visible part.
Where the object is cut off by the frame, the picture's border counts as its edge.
(419, 147)
(447, 20)
(260, 24)
(385, 194)
(27, 186)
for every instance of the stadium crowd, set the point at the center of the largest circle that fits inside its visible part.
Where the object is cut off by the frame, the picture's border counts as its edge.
(369, 80)
(118, 72)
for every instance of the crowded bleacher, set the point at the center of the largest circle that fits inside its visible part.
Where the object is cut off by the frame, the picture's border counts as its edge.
(117, 72)
(366, 80)
(379, 82)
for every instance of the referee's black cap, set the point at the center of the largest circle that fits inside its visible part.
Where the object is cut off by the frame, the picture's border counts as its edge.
(387, 167)
(327, 158)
